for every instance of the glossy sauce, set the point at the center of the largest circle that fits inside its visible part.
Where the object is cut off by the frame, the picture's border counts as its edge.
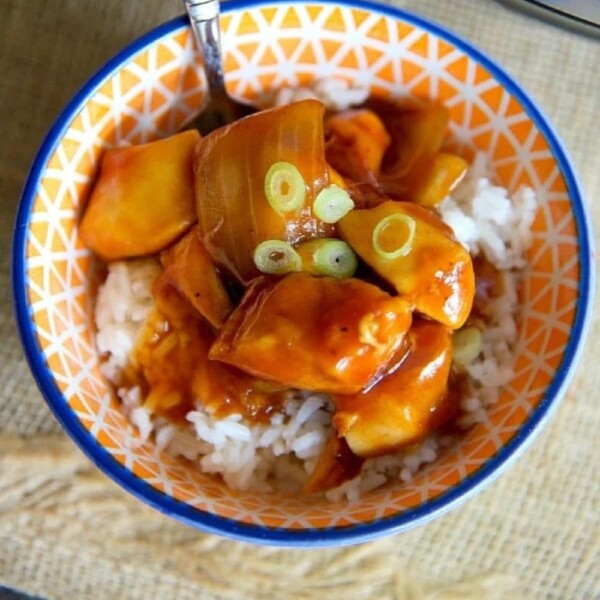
(436, 275)
(314, 333)
(406, 404)
(135, 208)
(170, 363)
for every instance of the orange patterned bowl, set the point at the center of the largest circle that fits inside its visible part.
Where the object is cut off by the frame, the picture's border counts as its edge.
(150, 89)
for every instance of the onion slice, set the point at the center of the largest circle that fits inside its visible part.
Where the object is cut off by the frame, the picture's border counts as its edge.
(230, 167)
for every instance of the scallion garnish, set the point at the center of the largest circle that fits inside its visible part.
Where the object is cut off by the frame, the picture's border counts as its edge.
(328, 257)
(276, 258)
(467, 344)
(332, 203)
(285, 188)
(399, 232)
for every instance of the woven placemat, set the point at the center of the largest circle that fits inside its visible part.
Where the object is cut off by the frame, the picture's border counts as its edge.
(66, 531)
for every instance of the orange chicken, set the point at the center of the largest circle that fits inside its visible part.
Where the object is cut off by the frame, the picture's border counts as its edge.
(143, 199)
(405, 405)
(429, 181)
(315, 333)
(336, 465)
(435, 273)
(189, 267)
(170, 362)
(357, 141)
(415, 131)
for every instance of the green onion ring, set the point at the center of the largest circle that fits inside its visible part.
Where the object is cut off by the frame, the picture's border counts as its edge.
(332, 203)
(276, 257)
(285, 189)
(467, 344)
(406, 247)
(329, 257)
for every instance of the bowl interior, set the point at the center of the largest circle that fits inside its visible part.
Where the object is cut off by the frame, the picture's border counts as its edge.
(150, 91)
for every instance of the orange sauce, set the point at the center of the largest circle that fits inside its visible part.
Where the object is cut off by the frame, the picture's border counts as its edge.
(170, 363)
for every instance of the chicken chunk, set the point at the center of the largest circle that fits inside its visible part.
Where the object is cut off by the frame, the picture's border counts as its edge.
(189, 267)
(435, 273)
(335, 465)
(143, 199)
(316, 333)
(170, 362)
(407, 404)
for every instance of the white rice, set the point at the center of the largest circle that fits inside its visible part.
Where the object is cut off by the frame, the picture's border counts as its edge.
(282, 453)
(487, 220)
(122, 305)
(336, 94)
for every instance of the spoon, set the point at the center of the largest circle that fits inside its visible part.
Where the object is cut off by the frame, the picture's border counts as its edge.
(219, 108)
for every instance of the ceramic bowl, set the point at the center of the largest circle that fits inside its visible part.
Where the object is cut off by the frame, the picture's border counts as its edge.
(149, 90)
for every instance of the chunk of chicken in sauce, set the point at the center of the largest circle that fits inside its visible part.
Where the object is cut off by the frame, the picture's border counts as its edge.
(435, 273)
(415, 130)
(336, 465)
(392, 150)
(143, 198)
(415, 167)
(407, 404)
(189, 267)
(356, 142)
(316, 333)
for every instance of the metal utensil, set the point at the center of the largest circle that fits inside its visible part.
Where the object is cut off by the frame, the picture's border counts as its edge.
(582, 16)
(219, 108)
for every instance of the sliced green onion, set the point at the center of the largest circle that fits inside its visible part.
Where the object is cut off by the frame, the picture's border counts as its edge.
(276, 258)
(285, 188)
(328, 257)
(332, 203)
(390, 221)
(467, 344)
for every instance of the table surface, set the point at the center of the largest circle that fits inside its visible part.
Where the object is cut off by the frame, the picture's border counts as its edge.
(67, 532)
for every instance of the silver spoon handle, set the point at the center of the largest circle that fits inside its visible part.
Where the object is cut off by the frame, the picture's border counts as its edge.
(204, 18)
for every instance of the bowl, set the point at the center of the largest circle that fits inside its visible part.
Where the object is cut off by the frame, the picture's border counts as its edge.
(151, 89)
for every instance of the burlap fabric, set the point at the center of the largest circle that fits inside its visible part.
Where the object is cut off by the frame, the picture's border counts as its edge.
(68, 532)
